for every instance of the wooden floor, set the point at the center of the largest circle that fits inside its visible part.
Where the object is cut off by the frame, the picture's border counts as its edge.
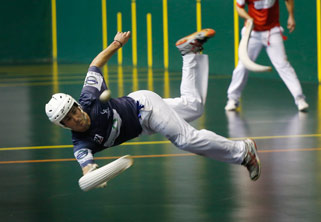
(39, 176)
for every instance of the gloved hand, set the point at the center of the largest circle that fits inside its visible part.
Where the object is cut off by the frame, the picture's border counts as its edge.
(91, 167)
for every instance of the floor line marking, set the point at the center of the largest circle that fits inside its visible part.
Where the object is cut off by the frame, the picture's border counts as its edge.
(150, 156)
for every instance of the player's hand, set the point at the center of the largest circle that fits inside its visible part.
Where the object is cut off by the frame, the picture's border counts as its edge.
(249, 21)
(89, 168)
(291, 24)
(103, 185)
(122, 37)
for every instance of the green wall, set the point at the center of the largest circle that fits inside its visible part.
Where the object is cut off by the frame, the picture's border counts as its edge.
(26, 33)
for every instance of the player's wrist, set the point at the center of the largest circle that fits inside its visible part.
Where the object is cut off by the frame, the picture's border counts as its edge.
(89, 168)
(118, 43)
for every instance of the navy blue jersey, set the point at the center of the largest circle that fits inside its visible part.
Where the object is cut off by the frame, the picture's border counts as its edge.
(112, 123)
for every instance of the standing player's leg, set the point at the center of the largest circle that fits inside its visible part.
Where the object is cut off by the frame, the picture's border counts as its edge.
(193, 89)
(158, 117)
(277, 55)
(240, 75)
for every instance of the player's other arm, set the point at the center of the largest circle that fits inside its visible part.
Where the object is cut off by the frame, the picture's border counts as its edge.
(291, 21)
(120, 40)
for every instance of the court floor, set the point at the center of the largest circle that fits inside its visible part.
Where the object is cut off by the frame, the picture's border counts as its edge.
(39, 176)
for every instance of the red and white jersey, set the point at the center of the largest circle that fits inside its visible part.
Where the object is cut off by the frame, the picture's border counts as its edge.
(266, 13)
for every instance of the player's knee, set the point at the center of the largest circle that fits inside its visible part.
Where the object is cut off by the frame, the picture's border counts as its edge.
(196, 109)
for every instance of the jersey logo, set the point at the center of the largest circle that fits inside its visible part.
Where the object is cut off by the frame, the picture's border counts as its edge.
(81, 154)
(105, 111)
(98, 139)
(263, 4)
(93, 79)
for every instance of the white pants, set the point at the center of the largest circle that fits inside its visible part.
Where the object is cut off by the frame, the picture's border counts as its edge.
(273, 42)
(168, 116)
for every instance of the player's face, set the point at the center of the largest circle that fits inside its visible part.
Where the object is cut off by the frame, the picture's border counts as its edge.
(77, 120)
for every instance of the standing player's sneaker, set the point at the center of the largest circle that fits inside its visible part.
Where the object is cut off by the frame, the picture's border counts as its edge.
(231, 105)
(302, 105)
(194, 42)
(251, 160)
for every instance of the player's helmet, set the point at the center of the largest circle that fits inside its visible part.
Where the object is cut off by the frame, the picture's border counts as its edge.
(58, 107)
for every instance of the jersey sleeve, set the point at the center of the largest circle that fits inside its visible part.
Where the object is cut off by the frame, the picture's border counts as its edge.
(83, 152)
(240, 3)
(94, 85)
(94, 80)
(84, 157)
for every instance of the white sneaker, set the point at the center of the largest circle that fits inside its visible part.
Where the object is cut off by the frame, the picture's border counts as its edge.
(231, 105)
(302, 105)
(194, 42)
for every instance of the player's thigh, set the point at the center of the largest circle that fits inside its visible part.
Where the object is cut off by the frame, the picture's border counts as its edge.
(169, 123)
(276, 50)
(254, 48)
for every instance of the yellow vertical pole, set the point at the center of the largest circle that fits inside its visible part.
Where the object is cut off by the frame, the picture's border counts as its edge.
(198, 15)
(236, 35)
(149, 51)
(54, 46)
(54, 29)
(134, 45)
(104, 28)
(149, 40)
(319, 38)
(120, 59)
(134, 33)
(165, 36)
(119, 29)
(165, 33)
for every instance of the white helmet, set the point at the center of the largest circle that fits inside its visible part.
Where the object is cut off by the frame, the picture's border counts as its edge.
(58, 107)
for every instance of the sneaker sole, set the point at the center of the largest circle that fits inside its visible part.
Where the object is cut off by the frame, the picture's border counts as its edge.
(258, 162)
(204, 33)
(304, 109)
(231, 109)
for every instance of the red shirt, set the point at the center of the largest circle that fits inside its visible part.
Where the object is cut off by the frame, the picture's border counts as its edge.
(266, 13)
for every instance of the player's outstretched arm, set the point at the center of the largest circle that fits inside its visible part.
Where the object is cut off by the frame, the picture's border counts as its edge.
(120, 39)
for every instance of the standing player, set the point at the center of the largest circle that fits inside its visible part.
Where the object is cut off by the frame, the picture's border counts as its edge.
(267, 33)
(96, 125)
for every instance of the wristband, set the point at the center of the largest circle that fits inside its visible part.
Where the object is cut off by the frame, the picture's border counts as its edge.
(121, 45)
